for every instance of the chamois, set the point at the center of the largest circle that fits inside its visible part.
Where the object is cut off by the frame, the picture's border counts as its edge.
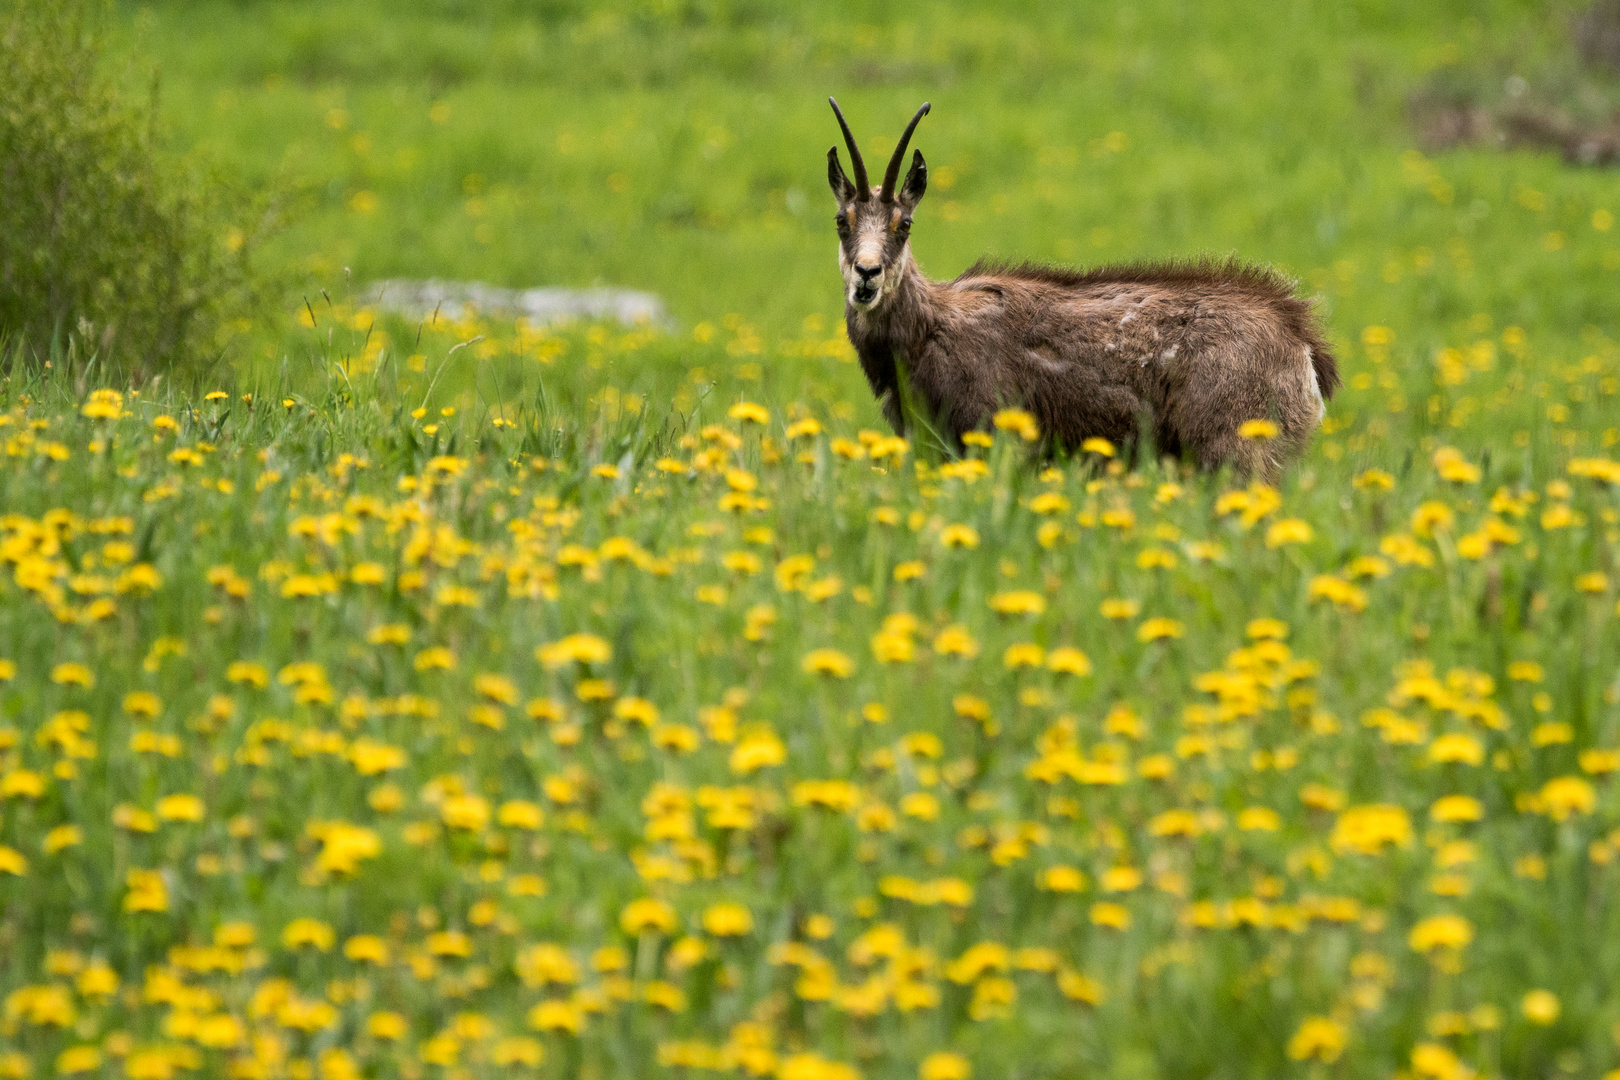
(1187, 351)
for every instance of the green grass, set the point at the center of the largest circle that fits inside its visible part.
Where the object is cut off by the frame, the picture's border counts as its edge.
(489, 490)
(288, 530)
(680, 148)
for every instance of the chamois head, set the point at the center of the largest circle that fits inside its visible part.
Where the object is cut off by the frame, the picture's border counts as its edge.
(874, 227)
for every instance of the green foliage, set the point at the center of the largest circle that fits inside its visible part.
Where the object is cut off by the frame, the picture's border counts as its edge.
(106, 245)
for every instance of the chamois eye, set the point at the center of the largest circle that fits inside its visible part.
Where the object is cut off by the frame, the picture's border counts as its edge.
(842, 221)
(905, 225)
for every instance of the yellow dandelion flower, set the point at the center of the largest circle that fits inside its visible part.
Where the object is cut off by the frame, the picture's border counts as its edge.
(1457, 747)
(1429, 518)
(1121, 879)
(1598, 761)
(1023, 655)
(61, 838)
(434, 658)
(759, 750)
(1373, 480)
(1441, 932)
(469, 813)
(1048, 502)
(1595, 582)
(1110, 915)
(146, 891)
(517, 1050)
(449, 943)
(909, 571)
(1457, 808)
(13, 862)
(727, 920)
(1062, 879)
(575, 648)
(180, 808)
(1018, 602)
(1120, 609)
(1259, 819)
(71, 674)
(78, 1059)
(828, 662)
(955, 640)
(557, 1015)
(308, 933)
(367, 949)
(1019, 422)
(142, 704)
(1098, 446)
(943, 1065)
(1566, 796)
(520, 814)
(1067, 660)
(1337, 591)
(247, 672)
(1289, 531)
(1159, 629)
(1318, 1037)
(1452, 466)
(648, 914)
(1368, 830)
(1077, 987)
(1541, 1007)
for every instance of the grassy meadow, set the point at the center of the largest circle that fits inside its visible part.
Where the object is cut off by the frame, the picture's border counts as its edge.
(478, 699)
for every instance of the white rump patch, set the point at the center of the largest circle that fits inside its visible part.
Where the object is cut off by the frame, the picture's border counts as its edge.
(1313, 386)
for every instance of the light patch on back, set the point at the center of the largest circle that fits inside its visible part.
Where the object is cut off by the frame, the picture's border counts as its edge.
(1047, 357)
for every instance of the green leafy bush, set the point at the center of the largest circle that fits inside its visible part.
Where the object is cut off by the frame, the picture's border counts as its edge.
(107, 245)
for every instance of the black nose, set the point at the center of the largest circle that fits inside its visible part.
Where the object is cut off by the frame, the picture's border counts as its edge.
(868, 272)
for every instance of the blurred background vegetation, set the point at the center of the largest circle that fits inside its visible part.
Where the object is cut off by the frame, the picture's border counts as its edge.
(678, 146)
(109, 244)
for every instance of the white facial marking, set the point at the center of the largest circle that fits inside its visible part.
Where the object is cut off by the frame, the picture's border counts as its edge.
(871, 225)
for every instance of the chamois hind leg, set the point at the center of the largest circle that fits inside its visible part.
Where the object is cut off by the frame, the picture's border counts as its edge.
(1250, 459)
(1276, 384)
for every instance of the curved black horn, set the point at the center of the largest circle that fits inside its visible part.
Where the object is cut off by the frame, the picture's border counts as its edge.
(891, 177)
(863, 189)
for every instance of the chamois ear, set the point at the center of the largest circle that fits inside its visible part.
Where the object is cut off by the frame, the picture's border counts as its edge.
(841, 187)
(916, 180)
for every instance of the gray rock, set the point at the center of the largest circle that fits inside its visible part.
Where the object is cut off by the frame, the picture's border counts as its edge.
(419, 299)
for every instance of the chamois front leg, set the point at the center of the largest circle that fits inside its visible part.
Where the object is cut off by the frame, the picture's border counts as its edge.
(877, 361)
(889, 402)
